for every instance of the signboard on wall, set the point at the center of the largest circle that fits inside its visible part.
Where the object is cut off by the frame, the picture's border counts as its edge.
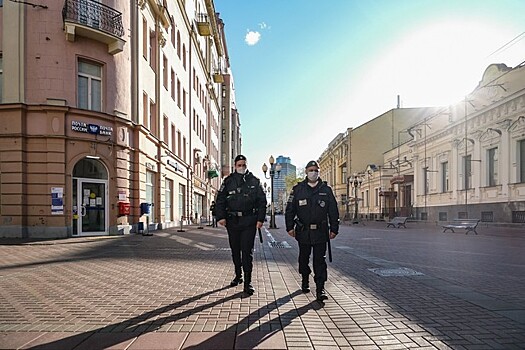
(57, 201)
(91, 128)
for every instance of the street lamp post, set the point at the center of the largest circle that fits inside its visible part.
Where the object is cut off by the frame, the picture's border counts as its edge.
(275, 171)
(356, 181)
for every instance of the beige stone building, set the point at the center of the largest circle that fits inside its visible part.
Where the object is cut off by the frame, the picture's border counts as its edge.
(358, 148)
(107, 105)
(458, 161)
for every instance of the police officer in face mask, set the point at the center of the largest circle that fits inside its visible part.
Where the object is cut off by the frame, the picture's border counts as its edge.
(241, 207)
(312, 218)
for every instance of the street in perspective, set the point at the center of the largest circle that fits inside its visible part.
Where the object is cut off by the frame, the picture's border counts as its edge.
(388, 288)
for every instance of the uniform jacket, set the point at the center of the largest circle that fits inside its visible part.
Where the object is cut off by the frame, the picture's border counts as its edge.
(312, 206)
(241, 193)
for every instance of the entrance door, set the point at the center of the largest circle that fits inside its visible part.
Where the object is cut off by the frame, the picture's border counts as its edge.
(91, 201)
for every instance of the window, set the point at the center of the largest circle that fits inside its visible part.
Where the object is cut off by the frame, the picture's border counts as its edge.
(179, 144)
(89, 89)
(173, 85)
(182, 200)
(425, 181)
(178, 93)
(444, 177)
(173, 36)
(467, 172)
(152, 49)
(150, 191)
(173, 137)
(168, 200)
(521, 169)
(145, 109)
(166, 129)
(165, 71)
(184, 55)
(343, 174)
(492, 157)
(184, 101)
(145, 38)
(178, 44)
(151, 121)
(376, 197)
(184, 148)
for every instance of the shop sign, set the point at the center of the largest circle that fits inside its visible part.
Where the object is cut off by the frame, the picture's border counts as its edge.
(91, 128)
(174, 164)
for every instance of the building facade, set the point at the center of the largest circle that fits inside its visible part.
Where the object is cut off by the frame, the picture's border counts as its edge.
(354, 150)
(466, 160)
(110, 116)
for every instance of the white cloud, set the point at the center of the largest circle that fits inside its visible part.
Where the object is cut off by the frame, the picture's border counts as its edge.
(263, 25)
(252, 37)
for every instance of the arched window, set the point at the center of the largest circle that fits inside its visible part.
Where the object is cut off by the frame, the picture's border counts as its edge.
(90, 168)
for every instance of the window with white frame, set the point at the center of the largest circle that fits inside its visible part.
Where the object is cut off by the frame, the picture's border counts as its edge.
(150, 190)
(168, 200)
(521, 160)
(89, 88)
(444, 177)
(492, 162)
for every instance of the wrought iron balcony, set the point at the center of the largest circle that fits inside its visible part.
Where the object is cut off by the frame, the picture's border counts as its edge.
(92, 19)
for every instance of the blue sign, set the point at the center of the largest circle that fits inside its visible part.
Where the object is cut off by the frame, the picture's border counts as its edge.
(93, 129)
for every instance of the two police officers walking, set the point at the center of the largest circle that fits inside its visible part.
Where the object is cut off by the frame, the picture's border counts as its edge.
(312, 218)
(241, 207)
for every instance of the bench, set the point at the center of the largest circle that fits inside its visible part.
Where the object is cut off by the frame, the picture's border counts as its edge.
(398, 221)
(468, 224)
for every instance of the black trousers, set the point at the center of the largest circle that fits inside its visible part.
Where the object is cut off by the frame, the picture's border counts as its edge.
(319, 261)
(241, 238)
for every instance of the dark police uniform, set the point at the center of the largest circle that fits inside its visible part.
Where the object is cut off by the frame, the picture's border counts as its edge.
(242, 202)
(312, 213)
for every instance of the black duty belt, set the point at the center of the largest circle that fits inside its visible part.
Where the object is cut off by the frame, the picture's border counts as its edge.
(241, 213)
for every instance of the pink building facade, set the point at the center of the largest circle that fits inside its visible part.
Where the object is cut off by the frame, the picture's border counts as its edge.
(100, 112)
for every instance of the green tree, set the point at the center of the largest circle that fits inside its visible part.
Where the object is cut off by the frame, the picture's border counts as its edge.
(292, 180)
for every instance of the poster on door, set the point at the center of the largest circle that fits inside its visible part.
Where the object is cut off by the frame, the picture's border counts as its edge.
(57, 201)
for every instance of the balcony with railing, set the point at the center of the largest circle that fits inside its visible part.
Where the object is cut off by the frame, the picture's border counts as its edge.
(203, 24)
(94, 20)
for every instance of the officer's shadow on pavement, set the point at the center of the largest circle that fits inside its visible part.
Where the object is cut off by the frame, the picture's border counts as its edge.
(244, 336)
(128, 329)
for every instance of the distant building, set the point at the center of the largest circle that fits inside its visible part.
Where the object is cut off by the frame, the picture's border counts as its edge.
(279, 183)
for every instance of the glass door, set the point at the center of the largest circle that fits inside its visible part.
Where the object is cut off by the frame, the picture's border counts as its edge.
(91, 200)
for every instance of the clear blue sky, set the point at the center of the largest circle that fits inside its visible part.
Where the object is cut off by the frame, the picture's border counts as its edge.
(305, 70)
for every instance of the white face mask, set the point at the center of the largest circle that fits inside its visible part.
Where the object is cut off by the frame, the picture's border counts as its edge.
(313, 176)
(241, 171)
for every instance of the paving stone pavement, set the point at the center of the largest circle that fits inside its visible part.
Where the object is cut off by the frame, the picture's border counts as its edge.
(170, 291)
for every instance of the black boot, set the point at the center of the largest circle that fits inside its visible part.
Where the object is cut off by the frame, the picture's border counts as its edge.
(248, 288)
(305, 284)
(236, 281)
(320, 292)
